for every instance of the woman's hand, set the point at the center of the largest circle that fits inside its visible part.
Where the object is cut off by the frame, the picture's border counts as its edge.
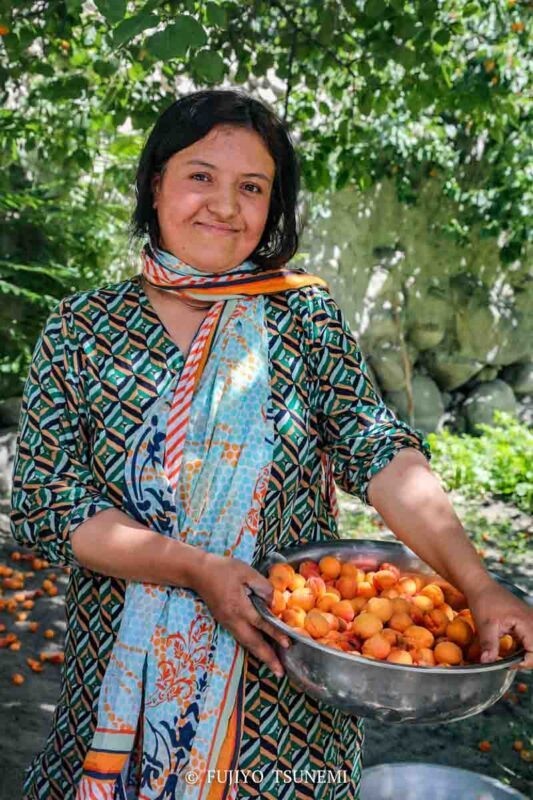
(224, 585)
(497, 612)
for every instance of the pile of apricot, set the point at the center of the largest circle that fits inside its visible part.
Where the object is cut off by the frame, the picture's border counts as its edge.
(399, 617)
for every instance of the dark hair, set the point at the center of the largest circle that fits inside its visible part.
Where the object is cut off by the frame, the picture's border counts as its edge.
(191, 118)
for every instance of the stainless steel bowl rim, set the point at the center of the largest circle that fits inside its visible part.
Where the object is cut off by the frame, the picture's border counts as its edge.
(263, 610)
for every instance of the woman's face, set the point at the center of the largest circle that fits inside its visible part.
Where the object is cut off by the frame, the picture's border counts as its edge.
(213, 198)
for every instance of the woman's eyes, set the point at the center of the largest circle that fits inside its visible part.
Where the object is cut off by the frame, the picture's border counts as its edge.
(256, 189)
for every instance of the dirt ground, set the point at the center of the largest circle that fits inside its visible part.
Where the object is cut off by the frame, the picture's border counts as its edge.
(26, 710)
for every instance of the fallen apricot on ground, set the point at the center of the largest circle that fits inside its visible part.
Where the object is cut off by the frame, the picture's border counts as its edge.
(485, 746)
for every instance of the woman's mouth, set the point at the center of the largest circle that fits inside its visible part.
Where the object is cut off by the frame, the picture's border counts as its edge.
(217, 230)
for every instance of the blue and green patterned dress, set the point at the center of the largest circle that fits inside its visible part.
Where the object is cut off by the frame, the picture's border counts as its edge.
(102, 361)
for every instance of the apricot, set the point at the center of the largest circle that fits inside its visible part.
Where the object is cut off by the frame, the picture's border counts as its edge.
(295, 617)
(297, 582)
(316, 624)
(400, 621)
(333, 636)
(390, 568)
(454, 597)
(377, 646)
(328, 600)
(317, 585)
(424, 657)
(279, 602)
(302, 598)
(366, 625)
(344, 610)
(507, 645)
(473, 652)
(423, 603)
(434, 593)
(333, 621)
(390, 593)
(400, 605)
(407, 586)
(358, 603)
(448, 610)
(381, 607)
(466, 614)
(417, 637)
(448, 653)
(391, 636)
(347, 586)
(279, 576)
(330, 567)
(17, 679)
(351, 570)
(309, 569)
(460, 632)
(366, 589)
(398, 656)
(384, 579)
(436, 621)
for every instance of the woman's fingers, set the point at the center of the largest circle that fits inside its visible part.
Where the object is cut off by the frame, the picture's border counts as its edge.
(250, 638)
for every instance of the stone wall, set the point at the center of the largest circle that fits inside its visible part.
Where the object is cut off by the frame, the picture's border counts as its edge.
(445, 329)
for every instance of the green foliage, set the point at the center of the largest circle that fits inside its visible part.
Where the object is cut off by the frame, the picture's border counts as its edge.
(412, 90)
(499, 462)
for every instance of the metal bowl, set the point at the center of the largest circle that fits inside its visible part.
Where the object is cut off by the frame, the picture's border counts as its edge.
(388, 692)
(412, 781)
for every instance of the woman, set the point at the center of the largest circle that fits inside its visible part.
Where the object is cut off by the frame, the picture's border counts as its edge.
(176, 427)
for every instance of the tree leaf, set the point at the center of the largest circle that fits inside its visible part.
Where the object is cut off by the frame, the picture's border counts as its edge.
(209, 65)
(112, 10)
(375, 8)
(177, 38)
(216, 15)
(132, 26)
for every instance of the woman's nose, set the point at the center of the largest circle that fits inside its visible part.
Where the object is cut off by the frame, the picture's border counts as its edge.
(224, 202)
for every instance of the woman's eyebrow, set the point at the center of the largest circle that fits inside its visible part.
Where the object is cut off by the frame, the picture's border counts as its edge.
(245, 174)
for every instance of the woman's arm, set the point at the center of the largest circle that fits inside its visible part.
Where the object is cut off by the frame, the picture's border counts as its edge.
(412, 502)
(112, 543)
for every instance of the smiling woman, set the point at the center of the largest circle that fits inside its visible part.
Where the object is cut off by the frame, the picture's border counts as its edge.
(176, 427)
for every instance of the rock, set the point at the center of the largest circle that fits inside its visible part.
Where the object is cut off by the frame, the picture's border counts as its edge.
(10, 411)
(482, 402)
(520, 378)
(387, 363)
(487, 374)
(450, 368)
(428, 315)
(428, 404)
(8, 441)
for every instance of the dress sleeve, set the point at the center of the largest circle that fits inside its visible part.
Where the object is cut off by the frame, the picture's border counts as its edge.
(357, 430)
(53, 488)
